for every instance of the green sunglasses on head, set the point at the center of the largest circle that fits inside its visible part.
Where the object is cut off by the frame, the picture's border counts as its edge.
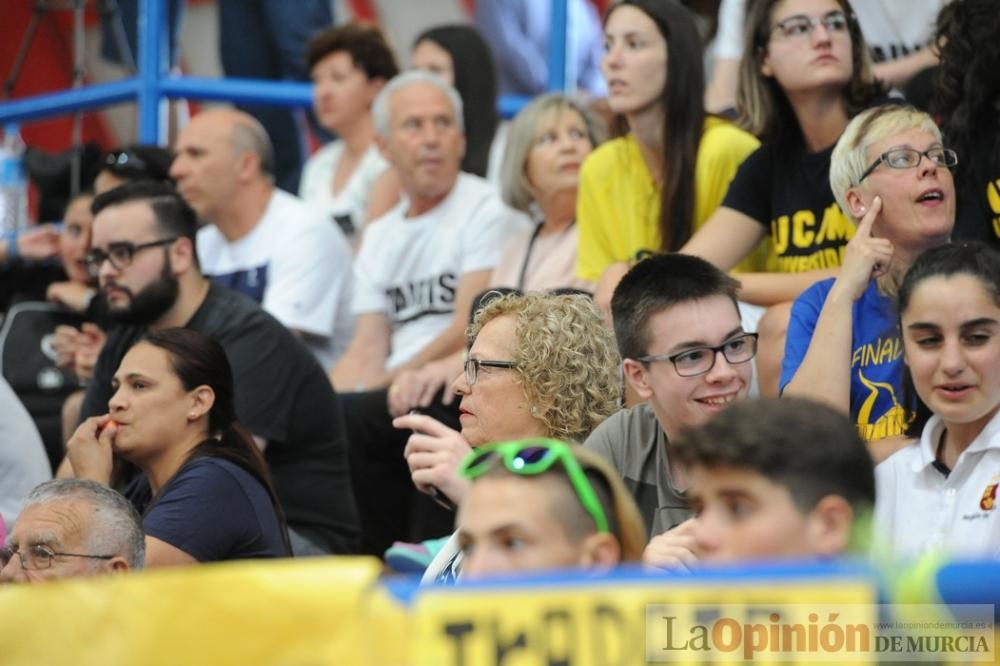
(528, 457)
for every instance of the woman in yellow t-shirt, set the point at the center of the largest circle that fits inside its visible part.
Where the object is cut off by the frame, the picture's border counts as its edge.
(649, 190)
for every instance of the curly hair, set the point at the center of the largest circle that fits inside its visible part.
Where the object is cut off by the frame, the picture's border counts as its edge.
(566, 359)
(967, 89)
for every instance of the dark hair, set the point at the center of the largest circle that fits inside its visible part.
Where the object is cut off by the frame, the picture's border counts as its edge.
(198, 360)
(366, 44)
(683, 115)
(476, 81)
(139, 161)
(966, 258)
(809, 448)
(762, 106)
(967, 88)
(174, 217)
(657, 283)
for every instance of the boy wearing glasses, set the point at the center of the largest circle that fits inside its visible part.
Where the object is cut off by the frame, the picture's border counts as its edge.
(686, 355)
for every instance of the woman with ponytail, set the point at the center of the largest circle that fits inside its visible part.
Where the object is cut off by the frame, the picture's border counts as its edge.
(204, 491)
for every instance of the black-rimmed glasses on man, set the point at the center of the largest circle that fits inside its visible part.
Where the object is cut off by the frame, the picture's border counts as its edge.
(120, 254)
(700, 360)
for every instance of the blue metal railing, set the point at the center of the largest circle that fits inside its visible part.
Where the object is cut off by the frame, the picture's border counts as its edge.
(153, 83)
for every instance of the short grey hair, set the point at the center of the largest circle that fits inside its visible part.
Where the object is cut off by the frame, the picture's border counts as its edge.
(380, 107)
(850, 156)
(249, 135)
(521, 136)
(117, 527)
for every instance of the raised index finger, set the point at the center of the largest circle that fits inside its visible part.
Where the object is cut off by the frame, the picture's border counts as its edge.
(865, 225)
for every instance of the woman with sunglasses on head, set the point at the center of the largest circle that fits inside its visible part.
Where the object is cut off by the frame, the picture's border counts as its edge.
(891, 171)
(940, 493)
(537, 366)
(648, 191)
(581, 514)
(204, 491)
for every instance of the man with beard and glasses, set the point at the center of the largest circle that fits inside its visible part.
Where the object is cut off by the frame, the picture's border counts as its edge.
(144, 254)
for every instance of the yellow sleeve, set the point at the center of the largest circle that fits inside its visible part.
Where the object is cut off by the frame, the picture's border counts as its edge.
(594, 218)
(722, 150)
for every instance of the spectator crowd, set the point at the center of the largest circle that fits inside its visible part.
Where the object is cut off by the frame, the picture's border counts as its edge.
(737, 300)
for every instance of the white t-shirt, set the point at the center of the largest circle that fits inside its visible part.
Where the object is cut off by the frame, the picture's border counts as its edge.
(918, 509)
(895, 29)
(296, 264)
(349, 207)
(23, 463)
(409, 268)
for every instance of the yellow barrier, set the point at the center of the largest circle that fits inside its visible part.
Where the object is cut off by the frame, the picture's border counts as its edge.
(300, 613)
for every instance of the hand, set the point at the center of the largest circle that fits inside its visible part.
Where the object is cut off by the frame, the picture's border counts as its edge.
(433, 453)
(74, 295)
(40, 242)
(417, 388)
(612, 275)
(866, 256)
(90, 342)
(90, 451)
(674, 550)
(64, 342)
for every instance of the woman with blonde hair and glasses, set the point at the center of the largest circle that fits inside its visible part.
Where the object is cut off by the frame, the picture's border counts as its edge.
(892, 171)
(582, 517)
(537, 366)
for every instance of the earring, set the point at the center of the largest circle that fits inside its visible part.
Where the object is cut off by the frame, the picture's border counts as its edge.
(533, 410)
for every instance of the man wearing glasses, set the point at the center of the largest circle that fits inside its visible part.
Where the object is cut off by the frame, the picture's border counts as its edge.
(70, 528)
(686, 355)
(145, 257)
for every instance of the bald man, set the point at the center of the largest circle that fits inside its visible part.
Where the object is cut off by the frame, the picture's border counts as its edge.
(260, 240)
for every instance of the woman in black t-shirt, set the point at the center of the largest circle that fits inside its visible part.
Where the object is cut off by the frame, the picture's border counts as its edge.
(204, 492)
(805, 73)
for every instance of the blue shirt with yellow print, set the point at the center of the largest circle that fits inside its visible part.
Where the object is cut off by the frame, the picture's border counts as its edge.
(876, 357)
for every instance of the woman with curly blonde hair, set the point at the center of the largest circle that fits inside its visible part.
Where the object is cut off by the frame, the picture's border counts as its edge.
(537, 366)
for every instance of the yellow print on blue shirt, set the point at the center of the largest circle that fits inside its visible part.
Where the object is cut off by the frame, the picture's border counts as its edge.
(993, 196)
(872, 425)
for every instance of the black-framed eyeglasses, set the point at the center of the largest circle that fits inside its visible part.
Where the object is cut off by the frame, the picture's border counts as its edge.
(472, 366)
(907, 158)
(801, 26)
(699, 360)
(40, 557)
(125, 160)
(120, 254)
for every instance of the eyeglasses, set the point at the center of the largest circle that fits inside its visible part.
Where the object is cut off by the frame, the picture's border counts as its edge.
(40, 557)
(120, 254)
(530, 457)
(699, 360)
(802, 26)
(472, 366)
(907, 158)
(125, 160)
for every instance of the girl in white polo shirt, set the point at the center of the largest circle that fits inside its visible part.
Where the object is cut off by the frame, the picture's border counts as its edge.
(941, 492)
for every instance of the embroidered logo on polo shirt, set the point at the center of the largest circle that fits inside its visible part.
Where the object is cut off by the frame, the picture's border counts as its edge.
(989, 500)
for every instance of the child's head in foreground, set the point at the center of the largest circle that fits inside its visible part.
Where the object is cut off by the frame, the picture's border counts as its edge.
(776, 479)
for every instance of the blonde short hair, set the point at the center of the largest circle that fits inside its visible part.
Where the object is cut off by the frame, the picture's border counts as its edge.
(850, 158)
(566, 359)
(521, 137)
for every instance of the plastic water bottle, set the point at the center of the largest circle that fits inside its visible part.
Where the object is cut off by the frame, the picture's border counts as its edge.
(13, 182)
